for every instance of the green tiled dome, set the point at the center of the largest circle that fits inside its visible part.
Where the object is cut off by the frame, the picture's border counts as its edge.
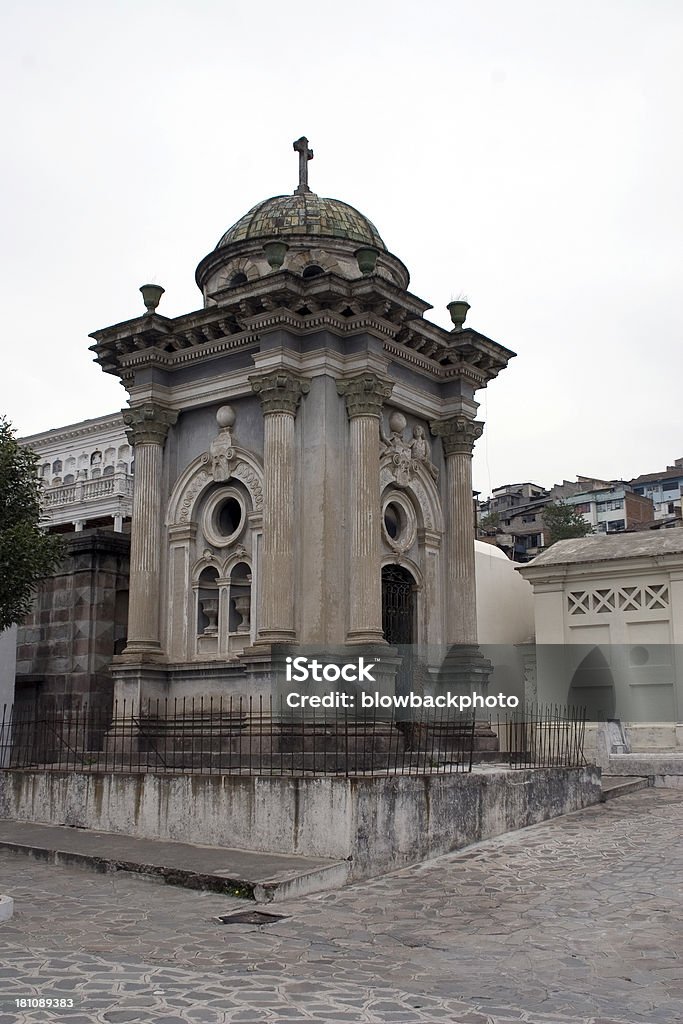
(307, 214)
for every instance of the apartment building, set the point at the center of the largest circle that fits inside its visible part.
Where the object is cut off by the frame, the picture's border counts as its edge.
(664, 489)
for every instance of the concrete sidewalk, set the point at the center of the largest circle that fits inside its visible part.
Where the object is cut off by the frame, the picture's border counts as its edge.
(264, 877)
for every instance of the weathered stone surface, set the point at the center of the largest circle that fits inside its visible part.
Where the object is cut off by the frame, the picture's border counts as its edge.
(78, 620)
(379, 823)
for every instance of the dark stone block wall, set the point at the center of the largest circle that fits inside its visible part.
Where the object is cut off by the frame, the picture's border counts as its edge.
(78, 623)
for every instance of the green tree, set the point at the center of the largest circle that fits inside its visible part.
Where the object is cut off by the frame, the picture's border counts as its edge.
(490, 522)
(27, 553)
(563, 521)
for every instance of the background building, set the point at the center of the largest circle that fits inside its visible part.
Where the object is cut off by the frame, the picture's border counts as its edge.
(87, 474)
(512, 518)
(609, 625)
(613, 508)
(664, 490)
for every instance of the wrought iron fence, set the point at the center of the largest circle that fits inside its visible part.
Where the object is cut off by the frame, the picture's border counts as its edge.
(260, 735)
(543, 736)
(243, 735)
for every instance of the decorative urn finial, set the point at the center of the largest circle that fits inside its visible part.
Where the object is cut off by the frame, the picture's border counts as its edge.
(151, 294)
(367, 259)
(275, 254)
(458, 310)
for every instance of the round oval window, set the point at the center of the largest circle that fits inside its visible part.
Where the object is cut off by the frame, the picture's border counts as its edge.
(394, 519)
(229, 516)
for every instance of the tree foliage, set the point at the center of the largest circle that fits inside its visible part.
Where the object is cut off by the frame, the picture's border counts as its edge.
(27, 552)
(562, 521)
(490, 522)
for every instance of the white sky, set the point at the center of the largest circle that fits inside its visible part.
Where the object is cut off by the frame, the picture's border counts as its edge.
(526, 154)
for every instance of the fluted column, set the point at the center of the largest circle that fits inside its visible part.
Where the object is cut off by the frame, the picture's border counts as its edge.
(458, 436)
(147, 427)
(280, 393)
(365, 396)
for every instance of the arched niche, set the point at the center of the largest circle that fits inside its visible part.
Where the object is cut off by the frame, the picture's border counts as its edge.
(198, 492)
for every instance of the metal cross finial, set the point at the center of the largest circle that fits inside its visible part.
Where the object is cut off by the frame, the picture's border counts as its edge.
(305, 154)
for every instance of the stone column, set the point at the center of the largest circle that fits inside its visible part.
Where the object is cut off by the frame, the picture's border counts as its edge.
(146, 427)
(458, 436)
(365, 396)
(464, 667)
(280, 393)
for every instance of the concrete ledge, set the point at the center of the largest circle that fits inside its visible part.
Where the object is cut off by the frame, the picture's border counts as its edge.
(6, 908)
(664, 768)
(614, 786)
(262, 877)
(375, 823)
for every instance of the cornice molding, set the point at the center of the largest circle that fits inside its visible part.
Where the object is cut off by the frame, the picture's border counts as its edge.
(88, 428)
(598, 572)
(409, 397)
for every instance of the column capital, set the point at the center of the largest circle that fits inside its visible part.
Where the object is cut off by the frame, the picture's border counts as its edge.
(148, 423)
(457, 434)
(279, 391)
(365, 394)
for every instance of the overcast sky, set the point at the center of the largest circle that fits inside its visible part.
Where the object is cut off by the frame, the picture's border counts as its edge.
(526, 154)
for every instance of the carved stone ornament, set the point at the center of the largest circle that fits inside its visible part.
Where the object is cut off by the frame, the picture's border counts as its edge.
(365, 395)
(221, 449)
(280, 391)
(252, 482)
(199, 482)
(406, 456)
(457, 434)
(199, 475)
(148, 423)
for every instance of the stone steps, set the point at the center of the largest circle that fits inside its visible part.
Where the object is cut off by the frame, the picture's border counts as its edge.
(261, 877)
(614, 786)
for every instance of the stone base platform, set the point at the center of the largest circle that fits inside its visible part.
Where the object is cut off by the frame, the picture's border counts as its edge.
(374, 823)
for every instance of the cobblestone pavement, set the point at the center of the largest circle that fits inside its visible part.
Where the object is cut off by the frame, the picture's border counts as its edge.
(576, 920)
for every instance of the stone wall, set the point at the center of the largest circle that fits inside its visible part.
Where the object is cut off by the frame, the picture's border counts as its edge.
(78, 622)
(378, 824)
(8, 665)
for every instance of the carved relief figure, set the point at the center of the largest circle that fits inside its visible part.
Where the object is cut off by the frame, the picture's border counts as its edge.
(406, 456)
(420, 450)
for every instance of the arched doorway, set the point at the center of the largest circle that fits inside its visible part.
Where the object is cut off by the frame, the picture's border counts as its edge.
(398, 605)
(592, 687)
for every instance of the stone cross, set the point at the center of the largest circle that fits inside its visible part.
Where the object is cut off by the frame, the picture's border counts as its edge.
(305, 154)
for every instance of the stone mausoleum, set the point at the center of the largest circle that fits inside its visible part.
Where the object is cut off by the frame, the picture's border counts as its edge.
(303, 447)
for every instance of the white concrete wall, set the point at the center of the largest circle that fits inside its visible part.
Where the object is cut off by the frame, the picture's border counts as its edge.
(633, 616)
(505, 602)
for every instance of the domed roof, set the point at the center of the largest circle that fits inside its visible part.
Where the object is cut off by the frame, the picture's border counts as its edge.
(303, 214)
